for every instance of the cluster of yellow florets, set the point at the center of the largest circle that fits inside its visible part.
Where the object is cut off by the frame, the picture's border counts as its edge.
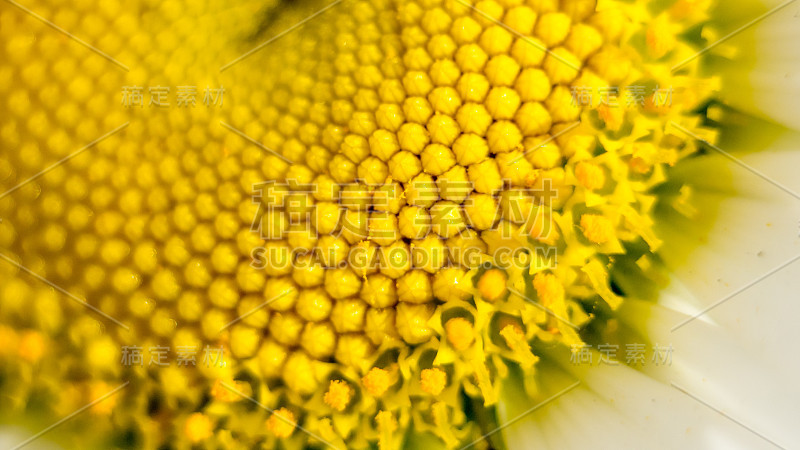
(427, 197)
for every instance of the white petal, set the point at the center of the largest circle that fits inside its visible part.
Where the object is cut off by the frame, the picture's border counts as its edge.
(736, 358)
(756, 232)
(618, 407)
(770, 88)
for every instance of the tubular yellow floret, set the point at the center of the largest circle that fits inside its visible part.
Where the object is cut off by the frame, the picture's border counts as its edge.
(515, 339)
(424, 139)
(492, 285)
(460, 333)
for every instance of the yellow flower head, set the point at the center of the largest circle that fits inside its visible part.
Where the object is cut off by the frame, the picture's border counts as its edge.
(365, 215)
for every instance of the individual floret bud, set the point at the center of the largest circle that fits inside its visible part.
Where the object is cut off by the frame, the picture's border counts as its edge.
(454, 185)
(470, 149)
(332, 251)
(307, 271)
(465, 30)
(413, 137)
(451, 284)
(437, 159)
(383, 228)
(404, 166)
(522, 19)
(553, 28)
(389, 198)
(467, 249)
(373, 171)
(504, 136)
(379, 291)
(355, 197)
(342, 169)
(414, 222)
(285, 327)
(379, 326)
(446, 218)
(583, 41)
(471, 58)
(271, 358)
(502, 103)
(496, 40)
(353, 350)
(319, 340)
(445, 100)
(348, 315)
(485, 177)
(395, 260)
(482, 211)
(383, 144)
(299, 374)
(529, 52)
(421, 191)
(412, 322)
(417, 110)
(443, 130)
(533, 119)
(314, 304)
(252, 311)
(244, 340)
(533, 85)
(342, 283)
(415, 287)
(473, 87)
(354, 226)
(561, 66)
(327, 217)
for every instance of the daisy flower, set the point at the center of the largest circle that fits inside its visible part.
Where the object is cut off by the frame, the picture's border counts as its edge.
(396, 223)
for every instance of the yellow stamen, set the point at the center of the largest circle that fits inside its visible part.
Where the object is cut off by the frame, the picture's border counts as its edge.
(597, 229)
(515, 339)
(281, 423)
(548, 288)
(433, 381)
(339, 395)
(377, 381)
(387, 425)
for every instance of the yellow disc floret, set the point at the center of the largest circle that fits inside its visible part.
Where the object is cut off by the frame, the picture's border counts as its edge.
(339, 395)
(433, 381)
(281, 423)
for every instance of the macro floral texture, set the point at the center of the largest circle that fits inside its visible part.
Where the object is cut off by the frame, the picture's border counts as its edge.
(347, 224)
